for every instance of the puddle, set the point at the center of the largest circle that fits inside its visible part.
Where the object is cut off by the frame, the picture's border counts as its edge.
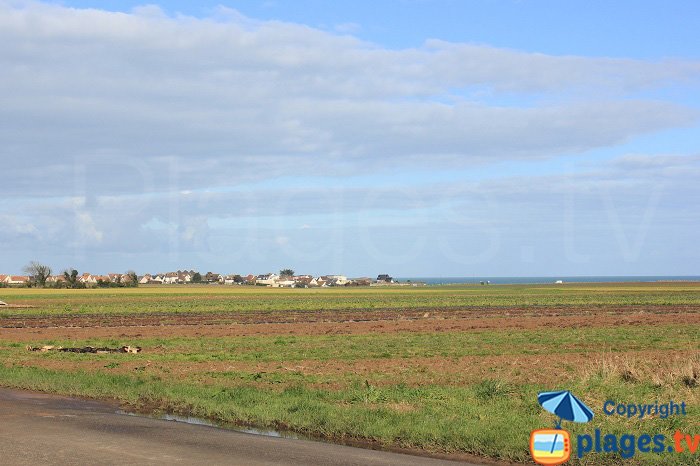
(220, 425)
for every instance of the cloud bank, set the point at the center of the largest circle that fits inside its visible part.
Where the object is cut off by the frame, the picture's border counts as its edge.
(226, 99)
(132, 133)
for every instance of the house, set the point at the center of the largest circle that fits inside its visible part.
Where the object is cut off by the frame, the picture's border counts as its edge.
(335, 280)
(212, 277)
(170, 278)
(184, 276)
(284, 283)
(304, 281)
(363, 281)
(384, 278)
(87, 279)
(268, 279)
(56, 279)
(148, 279)
(179, 277)
(16, 280)
(340, 280)
(233, 279)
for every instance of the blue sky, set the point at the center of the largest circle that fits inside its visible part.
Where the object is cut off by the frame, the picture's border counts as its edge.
(410, 137)
(626, 28)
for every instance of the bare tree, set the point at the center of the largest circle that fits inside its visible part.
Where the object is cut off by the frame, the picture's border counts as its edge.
(286, 273)
(39, 273)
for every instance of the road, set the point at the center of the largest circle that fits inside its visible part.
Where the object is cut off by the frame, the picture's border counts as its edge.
(38, 428)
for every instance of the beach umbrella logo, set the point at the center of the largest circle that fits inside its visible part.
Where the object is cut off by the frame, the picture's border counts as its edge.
(565, 405)
(551, 447)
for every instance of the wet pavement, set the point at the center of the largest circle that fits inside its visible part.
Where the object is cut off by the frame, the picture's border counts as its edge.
(37, 428)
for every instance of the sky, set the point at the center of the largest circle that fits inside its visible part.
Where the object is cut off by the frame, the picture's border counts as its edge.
(409, 137)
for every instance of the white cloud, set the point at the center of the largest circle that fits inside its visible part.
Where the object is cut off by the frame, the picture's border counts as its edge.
(14, 226)
(130, 103)
(624, 212)
(86, 229)
(348, 28)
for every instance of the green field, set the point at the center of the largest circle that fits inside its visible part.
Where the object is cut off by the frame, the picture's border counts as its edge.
(176, 299)
(461, 378)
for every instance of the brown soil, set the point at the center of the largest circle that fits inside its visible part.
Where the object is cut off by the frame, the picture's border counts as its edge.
(33, 328)
(333, 374)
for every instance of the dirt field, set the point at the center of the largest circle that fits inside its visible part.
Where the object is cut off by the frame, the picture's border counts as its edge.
(29, 328)
(445, 370)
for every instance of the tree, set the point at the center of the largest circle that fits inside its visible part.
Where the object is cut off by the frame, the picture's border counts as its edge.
(197, 277)
(71, 277)
(286, 273)
(132, 280)
(39, 273)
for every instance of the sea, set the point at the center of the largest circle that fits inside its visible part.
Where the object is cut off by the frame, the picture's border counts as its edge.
(553, 279)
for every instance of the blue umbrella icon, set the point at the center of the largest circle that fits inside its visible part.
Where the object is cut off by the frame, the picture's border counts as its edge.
(565, 405)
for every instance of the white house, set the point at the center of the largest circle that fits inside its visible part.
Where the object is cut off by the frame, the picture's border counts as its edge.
(149, 279)
(322, 282)
(269, 279)
(336, 280)
(305, 281)
(284, 283)
(15, 280)
(88, 279)
(117, 277)
(170, 278)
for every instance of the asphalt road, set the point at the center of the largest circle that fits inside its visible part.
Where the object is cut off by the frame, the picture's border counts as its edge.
(45, 429)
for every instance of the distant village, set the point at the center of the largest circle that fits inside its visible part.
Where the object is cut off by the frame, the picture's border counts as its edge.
(284, 279)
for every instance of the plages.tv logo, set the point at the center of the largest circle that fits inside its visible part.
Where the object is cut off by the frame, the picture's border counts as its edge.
(551, 447)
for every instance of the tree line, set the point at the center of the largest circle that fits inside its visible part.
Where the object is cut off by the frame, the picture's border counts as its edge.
(39, 275)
